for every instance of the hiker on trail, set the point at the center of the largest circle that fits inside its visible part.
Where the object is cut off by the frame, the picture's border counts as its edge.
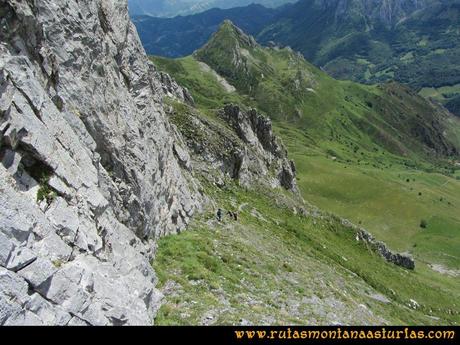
(233, 215)
(219, 215)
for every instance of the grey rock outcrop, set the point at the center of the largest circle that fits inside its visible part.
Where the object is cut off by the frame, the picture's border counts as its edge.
(238, 145)
(255, 130)
(89, 175)
(403, 260)
(174, 90)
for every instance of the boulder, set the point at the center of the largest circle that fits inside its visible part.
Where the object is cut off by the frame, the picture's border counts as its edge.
(20, 258)
(6, 248)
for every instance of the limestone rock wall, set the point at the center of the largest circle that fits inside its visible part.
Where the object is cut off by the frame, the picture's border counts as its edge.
(264, 155)
(89, 175)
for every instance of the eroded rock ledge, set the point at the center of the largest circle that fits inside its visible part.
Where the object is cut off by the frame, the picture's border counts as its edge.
(238, 145)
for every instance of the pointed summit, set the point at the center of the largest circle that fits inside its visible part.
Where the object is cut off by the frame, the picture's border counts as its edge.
(229, 53)
(232, 36)
(228, 26)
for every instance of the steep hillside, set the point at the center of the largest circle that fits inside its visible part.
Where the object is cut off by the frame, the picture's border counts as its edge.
(381, 156)
(278, 266)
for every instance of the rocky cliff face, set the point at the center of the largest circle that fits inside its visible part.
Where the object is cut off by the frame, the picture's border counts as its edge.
(233, 144)
(89, 177)
(93, 169)
(263, 152)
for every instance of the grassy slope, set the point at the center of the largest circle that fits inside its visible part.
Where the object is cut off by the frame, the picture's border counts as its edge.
(367, 182)
(374, 180)
(275, 267)
(381, 199)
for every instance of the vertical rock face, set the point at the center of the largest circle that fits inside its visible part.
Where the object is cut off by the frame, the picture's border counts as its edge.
(89, 175)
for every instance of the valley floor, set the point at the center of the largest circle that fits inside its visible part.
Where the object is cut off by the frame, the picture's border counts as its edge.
(390, 200)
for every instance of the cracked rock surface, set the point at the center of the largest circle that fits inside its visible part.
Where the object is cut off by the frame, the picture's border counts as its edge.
(89, 175)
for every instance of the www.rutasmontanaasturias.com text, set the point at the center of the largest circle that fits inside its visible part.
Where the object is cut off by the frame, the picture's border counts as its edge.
(339, 333)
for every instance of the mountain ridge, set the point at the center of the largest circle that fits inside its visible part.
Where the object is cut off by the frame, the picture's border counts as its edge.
(240, 59)
(166, 8)
(372, 41)
(196, 29)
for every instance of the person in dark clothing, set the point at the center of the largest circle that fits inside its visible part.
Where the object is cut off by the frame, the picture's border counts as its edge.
(219, 215)
(233, 215)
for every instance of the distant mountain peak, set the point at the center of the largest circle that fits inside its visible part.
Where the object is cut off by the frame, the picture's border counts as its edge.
(172, 8)
(228, 30)
(229, 51)
(227, 23)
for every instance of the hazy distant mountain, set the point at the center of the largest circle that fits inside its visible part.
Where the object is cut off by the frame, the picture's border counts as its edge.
(416, 42)
(180, 36)
(171, 8)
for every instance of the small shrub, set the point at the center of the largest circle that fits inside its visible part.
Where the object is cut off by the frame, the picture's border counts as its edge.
(423, 224)
(45, 192)
(42, 174)
(331, 153)
(57, 263)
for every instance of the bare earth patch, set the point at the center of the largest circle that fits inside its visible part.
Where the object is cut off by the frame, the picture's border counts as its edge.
(225, 84)
(443, 270)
